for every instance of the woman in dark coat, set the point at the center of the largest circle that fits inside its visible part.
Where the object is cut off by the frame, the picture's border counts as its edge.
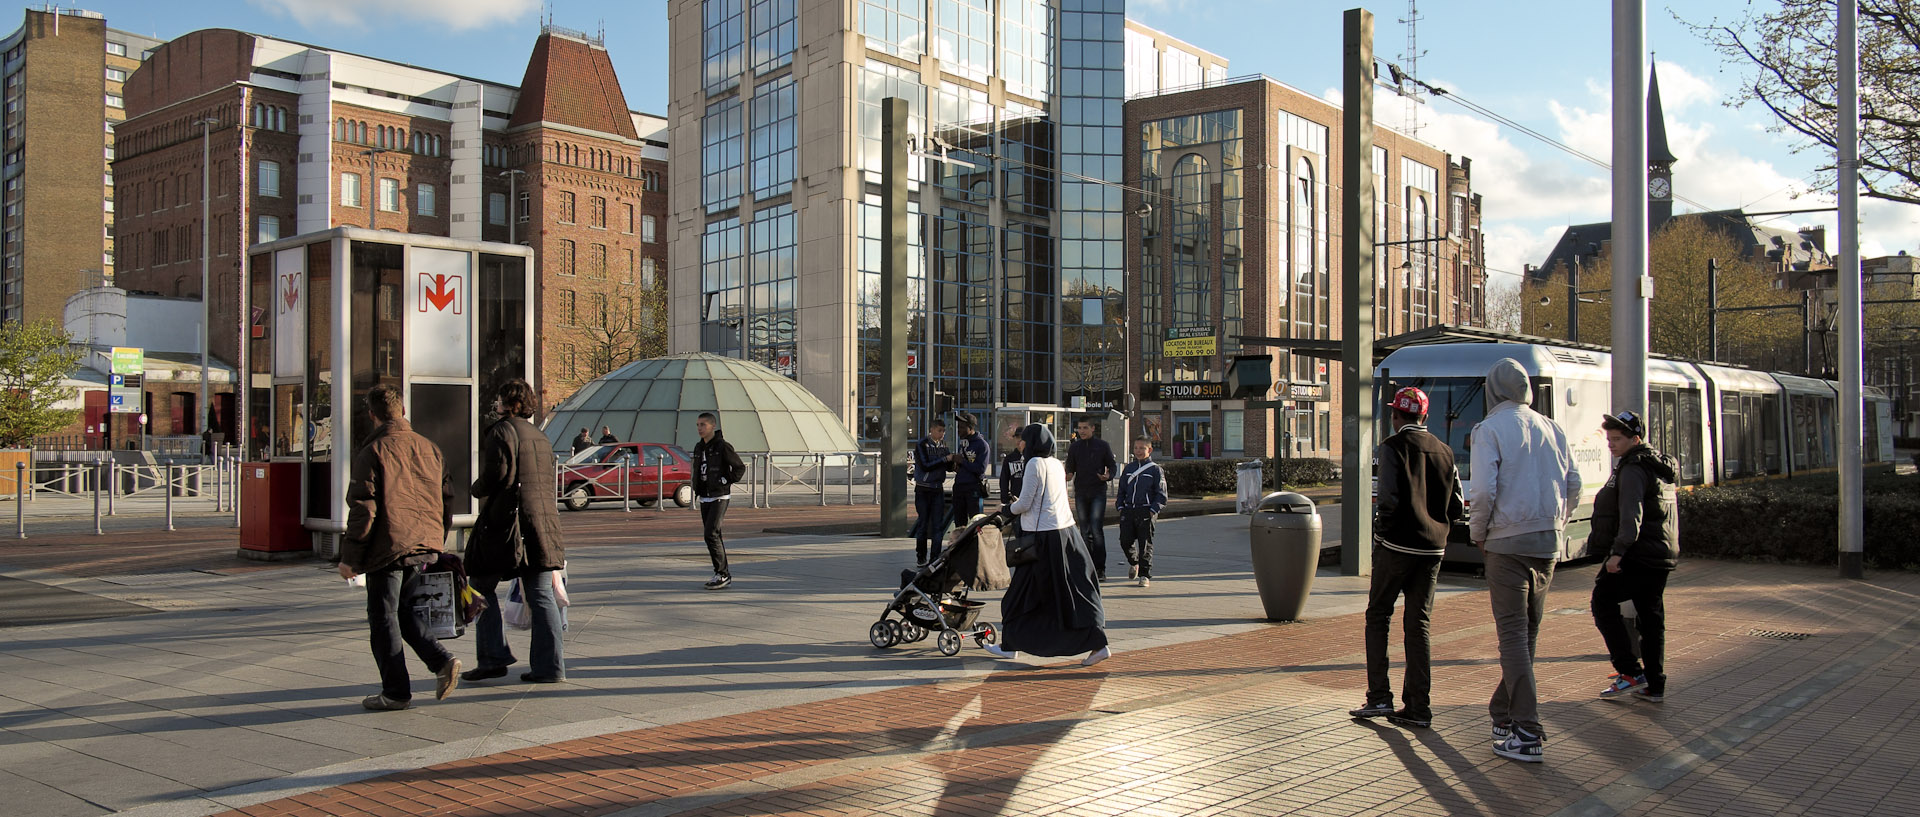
(1053, 606)
(517, 536)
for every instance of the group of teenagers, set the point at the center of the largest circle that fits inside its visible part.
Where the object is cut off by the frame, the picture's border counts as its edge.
(1052, 607)
(1525, 487)
(399, 511)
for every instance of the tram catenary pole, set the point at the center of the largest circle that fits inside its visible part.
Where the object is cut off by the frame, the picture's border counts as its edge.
(1356, 257)
(1851, 524)
(1632, 286)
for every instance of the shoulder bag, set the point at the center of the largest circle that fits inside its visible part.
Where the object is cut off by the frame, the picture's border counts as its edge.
(502, 528)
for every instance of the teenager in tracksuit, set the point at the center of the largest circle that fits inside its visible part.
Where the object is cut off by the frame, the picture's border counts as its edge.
(715, 469)
(1417, 500)
(1143, 492)
(1635, 523)
(930, 467)
(969, 460)
(1013, 468)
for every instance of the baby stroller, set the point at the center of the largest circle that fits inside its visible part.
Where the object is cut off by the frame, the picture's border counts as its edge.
(934, 598)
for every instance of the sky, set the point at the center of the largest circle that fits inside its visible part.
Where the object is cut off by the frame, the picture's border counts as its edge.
(1545, 65)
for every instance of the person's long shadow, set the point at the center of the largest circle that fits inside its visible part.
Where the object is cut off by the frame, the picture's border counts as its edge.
(981, 779)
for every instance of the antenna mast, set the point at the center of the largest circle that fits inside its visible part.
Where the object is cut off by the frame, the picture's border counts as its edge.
(1410, 92)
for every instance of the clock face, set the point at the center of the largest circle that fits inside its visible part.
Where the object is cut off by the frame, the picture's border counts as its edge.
(1659, 188)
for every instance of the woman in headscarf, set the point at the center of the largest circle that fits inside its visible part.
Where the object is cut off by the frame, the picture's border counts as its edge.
(1053, 606)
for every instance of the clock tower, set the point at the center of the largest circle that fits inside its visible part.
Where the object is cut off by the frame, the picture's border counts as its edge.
(1660, 159)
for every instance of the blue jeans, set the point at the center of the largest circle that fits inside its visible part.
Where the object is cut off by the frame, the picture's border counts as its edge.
(966, 503)
(391, 620)
(490, 636)
(1090, 508)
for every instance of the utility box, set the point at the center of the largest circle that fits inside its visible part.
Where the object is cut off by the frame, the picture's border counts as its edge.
(270, 527)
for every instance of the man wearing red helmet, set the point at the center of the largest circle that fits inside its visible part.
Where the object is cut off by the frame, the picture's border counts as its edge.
(1417, 498)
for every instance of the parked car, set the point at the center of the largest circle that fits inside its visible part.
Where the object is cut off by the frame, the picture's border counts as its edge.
(594, 475)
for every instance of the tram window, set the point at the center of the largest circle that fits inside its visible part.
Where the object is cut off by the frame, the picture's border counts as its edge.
(1692, 464)
(1734, 455)
(1769, 432)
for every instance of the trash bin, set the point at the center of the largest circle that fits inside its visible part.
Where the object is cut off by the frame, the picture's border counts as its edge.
(1248, 483)
(1285, 538)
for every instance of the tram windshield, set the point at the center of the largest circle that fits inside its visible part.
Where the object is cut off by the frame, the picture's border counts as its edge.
(1454, 405)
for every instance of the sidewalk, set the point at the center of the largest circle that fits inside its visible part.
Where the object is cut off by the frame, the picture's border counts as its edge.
(240, 691)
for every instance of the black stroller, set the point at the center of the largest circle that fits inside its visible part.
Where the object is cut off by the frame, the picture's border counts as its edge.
(934, 598)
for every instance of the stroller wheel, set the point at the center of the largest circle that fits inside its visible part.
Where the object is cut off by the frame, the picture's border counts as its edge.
(987, 635)
(881, 634)
(899, 630)
(915, 633)
(949, 642)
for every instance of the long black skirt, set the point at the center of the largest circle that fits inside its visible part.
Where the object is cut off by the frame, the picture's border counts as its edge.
(1053, 606)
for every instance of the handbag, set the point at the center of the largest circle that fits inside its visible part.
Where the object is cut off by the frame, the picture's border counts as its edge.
(1025, 550)
(491, 530)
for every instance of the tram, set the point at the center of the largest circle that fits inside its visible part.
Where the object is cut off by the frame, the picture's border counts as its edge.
(1724, 424)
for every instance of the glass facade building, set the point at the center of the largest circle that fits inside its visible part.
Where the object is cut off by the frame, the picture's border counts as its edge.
(1016, 264)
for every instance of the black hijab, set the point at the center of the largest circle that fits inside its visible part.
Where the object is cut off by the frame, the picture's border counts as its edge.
(1039, 440)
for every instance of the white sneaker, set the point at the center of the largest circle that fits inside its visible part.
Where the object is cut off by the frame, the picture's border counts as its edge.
(719, 582)
(1097, 656)
(1145, 582)
(995, 651)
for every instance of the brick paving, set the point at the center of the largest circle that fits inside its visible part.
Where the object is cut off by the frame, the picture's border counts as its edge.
(1254, 724)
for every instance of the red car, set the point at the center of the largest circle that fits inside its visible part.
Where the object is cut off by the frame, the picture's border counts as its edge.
(594, 475)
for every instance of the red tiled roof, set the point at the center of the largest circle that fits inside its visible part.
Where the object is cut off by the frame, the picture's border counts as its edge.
(569, 82)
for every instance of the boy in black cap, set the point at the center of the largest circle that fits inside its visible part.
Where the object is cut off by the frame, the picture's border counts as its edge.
(1635, 524)
(969, 460)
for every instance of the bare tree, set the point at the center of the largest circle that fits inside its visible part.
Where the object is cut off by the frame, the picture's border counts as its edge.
(1681, 318)
(1791, 51)
(1505, 312)
(621, 330)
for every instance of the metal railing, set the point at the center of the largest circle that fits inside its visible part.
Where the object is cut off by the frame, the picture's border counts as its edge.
(109, 483)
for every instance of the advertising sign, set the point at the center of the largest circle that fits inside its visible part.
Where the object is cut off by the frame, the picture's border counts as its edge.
(1184, 390)
(1191, 342)
(123, 381)
(290, 312)
(439, 332)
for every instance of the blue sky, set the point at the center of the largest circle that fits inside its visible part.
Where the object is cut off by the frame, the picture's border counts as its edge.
(1546, 65)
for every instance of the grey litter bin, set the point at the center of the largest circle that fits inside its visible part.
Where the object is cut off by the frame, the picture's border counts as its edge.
(1285, 538)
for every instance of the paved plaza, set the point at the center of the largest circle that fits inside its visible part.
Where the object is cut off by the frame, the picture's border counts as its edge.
(210, 684)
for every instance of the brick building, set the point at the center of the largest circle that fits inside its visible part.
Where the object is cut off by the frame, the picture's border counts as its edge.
(1238, 220)
(62, 77)
(304, 138)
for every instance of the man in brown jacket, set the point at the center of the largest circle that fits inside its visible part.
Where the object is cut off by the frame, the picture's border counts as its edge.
(396, 524)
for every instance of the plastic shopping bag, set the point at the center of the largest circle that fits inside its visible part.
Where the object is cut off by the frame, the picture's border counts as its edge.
(514, 610)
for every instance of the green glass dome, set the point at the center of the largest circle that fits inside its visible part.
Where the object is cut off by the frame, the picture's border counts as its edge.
(657, 400)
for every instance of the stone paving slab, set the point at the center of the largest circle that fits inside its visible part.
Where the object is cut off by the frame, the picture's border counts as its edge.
(1254, 723)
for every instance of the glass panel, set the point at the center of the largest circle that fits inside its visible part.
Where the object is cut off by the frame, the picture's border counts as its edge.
(321, 502)
(451, 407)
(654, 426)
(1456, 404)
(632, 394)
(766, 396)
(696, 369)
(665, 394)
(696, 394)
(731, 396)
(502, 325)
(782, 433)
(580, 397)
(375, 331)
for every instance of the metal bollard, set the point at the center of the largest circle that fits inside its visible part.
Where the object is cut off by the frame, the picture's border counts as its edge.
(626, 490)
(96, 500)
(113, 484)
(876, 480)
(820, 463)
(659, 486)
(849, 476)
(20, 499)
(236, 491)
(169, 495)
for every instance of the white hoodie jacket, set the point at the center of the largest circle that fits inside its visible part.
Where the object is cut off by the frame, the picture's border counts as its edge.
(1524, 477)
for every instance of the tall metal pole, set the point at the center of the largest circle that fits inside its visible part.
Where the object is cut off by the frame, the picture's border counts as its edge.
(1713, 310)
(1573, 300)
(206, 255)
(1852, 526)
(1632, 286)
(893, 317)
(1356, 326)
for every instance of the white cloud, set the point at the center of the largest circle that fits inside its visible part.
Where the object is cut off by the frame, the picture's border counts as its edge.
(1681, 89)
(457, 15)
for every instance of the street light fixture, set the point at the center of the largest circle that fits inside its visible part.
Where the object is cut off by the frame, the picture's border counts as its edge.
(206, 271)
(513, 201)
(373, 176)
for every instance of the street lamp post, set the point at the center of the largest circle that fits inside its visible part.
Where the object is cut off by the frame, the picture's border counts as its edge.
(206, 270)
(513, 201)
(373, 177)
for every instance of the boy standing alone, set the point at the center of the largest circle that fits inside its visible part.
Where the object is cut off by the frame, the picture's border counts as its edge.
(1143, 492)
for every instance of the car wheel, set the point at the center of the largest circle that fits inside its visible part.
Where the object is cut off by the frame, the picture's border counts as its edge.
(576, 498)
(683, 495)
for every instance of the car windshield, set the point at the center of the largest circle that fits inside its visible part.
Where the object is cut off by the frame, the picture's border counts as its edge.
(1454, 405)
(594, 454)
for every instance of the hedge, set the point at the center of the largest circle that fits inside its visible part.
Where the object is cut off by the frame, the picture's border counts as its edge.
(1201, 477)
(1795, 521)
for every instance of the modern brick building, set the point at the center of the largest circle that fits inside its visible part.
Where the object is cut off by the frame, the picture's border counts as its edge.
(1237, 221)
(304, 138)
(62, 77)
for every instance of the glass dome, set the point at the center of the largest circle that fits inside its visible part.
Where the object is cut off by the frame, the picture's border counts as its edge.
(657, 400)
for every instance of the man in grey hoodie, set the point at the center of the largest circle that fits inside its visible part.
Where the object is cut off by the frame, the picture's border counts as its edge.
(1525, 487)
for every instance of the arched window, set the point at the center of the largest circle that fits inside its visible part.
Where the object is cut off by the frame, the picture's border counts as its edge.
(1417, 284)
(340, 129)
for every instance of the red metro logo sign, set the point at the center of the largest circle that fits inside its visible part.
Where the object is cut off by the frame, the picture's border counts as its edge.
(440, 292)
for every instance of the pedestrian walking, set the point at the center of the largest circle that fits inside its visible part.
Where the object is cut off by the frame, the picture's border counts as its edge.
(396, 524)
(606, 436)
(1143, 492)
(1417, 498)
(1012, 465)
(715, 469)
(1635, 524)
(582, 442)
(1525, 486)
(969, 459)
(932, 461)
(1090, 465)
(517, 536)
(1052, 608)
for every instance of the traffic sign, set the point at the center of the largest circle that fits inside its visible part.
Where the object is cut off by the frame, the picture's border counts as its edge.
(123, 384)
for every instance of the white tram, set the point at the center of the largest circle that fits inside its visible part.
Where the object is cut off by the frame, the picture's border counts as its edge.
(1723, 423)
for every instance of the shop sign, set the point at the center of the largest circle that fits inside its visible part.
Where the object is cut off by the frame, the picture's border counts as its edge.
(1317, 392)
(1185, 390)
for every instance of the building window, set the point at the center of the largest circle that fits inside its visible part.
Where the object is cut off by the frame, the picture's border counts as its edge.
(496, 208)
(562, 260)
(526, 206)
(269, 175)
(349, 190)
(567, 314)
(629, 221)
(425, 200)
(626, 268)
(269, 229)
(116, 75)
(647, 229)
(720, 159)
(564, 203)
(773, 34)
(773, 138)
(390, 195)
(114, 101)
(723, 27)
(597, 212)
(597, 261)
(117, 49)
(647, 271)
